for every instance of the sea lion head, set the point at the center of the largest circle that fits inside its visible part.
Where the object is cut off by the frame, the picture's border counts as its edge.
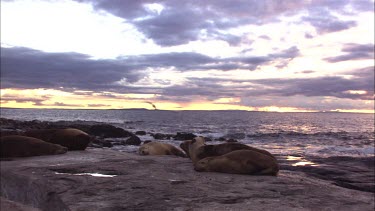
(185, 146)
(203, 164)
(143, 150)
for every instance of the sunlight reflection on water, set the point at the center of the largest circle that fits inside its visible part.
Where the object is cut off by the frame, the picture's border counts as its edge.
(301, 161)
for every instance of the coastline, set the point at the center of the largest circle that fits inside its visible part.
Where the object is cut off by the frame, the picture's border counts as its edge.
(177, 110)
(343, 175)
(127, 181)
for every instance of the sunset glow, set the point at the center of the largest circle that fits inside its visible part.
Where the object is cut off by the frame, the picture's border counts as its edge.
(276, 56)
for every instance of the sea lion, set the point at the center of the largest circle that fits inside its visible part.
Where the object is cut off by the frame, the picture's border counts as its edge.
(23, 146)
(71, 138)
(201, 150)
(240, 162)
(191, 147)
(185, 147)
(224, 148)
(158, 148)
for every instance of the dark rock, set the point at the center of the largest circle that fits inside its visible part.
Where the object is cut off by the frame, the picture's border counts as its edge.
(221, 139)
(184, 136)
(8, 132)
(161, 136)
(348, 172)
(8, 205)
(231, 140)
(107, 144)
(207, 139)
(27, 190)
(99, 143)
(140, 133)
(148, 141)
(133, 140)
(108, 131)
(235, 136)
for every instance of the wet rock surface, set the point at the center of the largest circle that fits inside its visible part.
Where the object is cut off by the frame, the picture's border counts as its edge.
(349, 172)
(8, 205)
(104, 179)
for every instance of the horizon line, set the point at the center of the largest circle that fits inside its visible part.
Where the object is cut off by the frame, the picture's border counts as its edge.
(332, 111)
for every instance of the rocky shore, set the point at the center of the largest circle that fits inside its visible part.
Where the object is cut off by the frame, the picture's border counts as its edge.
(103, 179)
(100, 178)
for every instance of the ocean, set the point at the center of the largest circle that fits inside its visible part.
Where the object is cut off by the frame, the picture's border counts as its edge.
(294, 135)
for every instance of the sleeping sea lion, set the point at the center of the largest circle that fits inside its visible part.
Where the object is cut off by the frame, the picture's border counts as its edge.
(23, 146)
(200, 150)
(222, 149)
(240, 162)
(71, 138)
(157, 148)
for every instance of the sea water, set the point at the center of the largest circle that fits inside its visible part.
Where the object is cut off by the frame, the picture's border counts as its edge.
(288, 134)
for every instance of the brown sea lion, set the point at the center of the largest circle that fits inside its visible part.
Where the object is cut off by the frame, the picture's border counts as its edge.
(157, 148)
(23, 146)
(202, 151)
(191, 147)
(240, 162)
(224, 148)
(71, 138)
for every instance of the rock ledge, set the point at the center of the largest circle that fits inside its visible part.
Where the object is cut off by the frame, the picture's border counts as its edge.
(104, 179)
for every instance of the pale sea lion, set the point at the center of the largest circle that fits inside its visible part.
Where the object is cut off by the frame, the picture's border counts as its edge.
(23, 146)
(157, 148)
(71, 138)
(240, 162)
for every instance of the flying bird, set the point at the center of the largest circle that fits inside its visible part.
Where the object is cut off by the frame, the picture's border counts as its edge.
(153, 105)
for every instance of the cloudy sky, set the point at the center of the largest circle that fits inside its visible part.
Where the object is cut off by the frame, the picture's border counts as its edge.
(271, 55)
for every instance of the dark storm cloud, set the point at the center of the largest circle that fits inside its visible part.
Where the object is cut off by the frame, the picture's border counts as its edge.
(307, 71)
(183, 21)
(339, 87)
(251, 63)
(27, 68)
(298, 92)
(324, 22)
(188, 61)
(182, 61)
(303, 103)
(354, 52)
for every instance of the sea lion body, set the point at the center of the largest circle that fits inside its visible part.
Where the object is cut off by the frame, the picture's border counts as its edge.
(22, 146)
(240, 162)
(71, 138)
(157, 148)
(222, 149)
(196, 149)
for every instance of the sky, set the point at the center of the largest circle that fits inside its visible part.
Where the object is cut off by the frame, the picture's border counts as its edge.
(271, 55)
